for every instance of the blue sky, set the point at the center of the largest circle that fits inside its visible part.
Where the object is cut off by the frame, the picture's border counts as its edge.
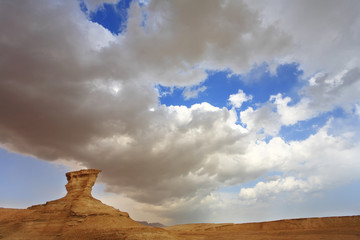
(217, 112)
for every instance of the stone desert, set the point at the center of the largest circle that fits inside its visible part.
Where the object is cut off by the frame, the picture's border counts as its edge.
(80, 216)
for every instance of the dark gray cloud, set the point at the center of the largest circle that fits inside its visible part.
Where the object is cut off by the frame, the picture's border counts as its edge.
(72, 91)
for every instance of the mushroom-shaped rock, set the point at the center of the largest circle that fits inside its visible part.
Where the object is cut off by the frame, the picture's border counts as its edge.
(80, 183)
(76, 216)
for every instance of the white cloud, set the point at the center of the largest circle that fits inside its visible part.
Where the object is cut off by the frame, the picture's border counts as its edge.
(322, 161)
(323, 94)
(290, 115)
(357, 110)
(92, 5)
(262, 120)
(191, 92)
(324, 40)
(267, 189)
(325, 34)
(239, 98)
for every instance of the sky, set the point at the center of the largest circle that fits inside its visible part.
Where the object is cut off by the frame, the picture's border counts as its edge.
(195, 111)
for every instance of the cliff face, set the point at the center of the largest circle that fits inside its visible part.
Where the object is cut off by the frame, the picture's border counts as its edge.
(76, 216)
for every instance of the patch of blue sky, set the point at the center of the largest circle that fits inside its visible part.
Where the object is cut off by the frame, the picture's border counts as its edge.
(346, 194)
(29, 180)
(111, 16)
(259, 83)
(83, 7)
(303, 129)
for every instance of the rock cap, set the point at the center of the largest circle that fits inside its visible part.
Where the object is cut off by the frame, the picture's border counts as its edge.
(80, 182)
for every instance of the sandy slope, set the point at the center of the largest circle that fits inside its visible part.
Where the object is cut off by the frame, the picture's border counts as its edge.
(342, 228)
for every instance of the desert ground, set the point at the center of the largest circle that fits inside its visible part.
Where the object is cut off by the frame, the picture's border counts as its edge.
(306, 228)
(80, 216)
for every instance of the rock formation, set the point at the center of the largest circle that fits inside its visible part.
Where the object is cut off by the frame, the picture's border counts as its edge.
(80, 183)
(154, 224)
(76, 216)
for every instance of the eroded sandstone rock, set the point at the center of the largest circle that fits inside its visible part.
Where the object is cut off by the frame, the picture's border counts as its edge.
(80, 183)
(76, 216)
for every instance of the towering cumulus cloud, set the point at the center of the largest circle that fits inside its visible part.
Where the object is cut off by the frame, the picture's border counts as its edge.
(72, 91)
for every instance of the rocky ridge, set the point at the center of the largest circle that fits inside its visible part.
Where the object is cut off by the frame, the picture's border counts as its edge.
(329, 228)
(152, 224)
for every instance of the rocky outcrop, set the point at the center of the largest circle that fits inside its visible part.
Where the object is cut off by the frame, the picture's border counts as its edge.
(156, 224)
(80, 183)
(76, 216)
(79, 201)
